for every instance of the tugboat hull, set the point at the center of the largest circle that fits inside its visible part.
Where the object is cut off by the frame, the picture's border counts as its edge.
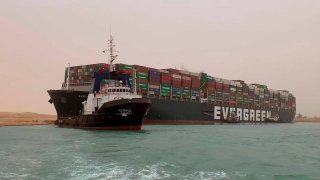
(124, 114)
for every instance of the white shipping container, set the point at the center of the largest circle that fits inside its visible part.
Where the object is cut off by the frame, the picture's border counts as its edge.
(176, 76)
(256, 91)
(185, 72)
(238, 84)
(261, 91)
(217, 79)
(233, 83)
(251, 87)
(163, 71)
(225, 81)
(233, 89)
(194, 74)
(186, 78)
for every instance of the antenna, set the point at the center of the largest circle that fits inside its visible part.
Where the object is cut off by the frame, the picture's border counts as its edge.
(111, 50)
(112, 56)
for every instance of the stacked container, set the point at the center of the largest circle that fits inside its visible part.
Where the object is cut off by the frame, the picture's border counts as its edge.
(186, 84)
(165, 86)
(245, 91)
(239, 92)
(233, 92)
(195, 85)
(219, 89)
(127, 69)
(226, 90)
(209, 87)
(142, 78)
(82, 75)
(154, 82)
(176, 80)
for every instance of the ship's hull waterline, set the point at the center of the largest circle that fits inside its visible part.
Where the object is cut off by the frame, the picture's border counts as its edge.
(166, 111)
(115, 115)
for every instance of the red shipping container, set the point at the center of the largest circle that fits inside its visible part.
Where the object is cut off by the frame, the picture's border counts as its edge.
(218, 85)
(141, 68)
(176, 86)
(211, 84)
(209, 92)
(226, 86)
(165, 78)
(154, 83)
(186, 83)
(195, 81)
(176, 81)
(154, 78)
(233, 102)
(142, 81)
(239, 88)
(173, 71)
(126, 71)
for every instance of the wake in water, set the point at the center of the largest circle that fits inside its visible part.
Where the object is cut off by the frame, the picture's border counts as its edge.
(160, 170)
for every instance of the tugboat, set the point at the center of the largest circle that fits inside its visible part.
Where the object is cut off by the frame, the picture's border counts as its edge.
(110, 106)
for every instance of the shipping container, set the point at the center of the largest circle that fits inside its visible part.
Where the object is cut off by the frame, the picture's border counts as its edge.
(141, 68)
(173, 71)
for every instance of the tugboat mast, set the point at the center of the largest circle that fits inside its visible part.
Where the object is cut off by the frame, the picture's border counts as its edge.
(112, 56)
(111, 51)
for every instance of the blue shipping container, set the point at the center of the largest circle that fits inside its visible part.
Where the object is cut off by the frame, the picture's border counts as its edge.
(176, 90)
(153, 72)
(166, 84)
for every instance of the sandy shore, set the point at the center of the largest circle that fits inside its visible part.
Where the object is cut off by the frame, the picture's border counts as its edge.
(307, 119)
(25, 119)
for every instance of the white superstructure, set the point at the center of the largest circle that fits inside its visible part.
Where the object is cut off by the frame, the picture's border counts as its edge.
(107, 94)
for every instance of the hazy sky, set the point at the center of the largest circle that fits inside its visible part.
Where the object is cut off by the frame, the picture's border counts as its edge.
(272, 42)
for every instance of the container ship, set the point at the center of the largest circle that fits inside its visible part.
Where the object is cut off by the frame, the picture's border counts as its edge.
(179, 96)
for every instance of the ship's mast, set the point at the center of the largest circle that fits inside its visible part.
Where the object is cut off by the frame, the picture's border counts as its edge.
(111, 51)
(112, 56)
(68, 76)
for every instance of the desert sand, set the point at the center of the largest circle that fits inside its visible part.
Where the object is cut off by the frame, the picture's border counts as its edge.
(307, 119)
(25, 118)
